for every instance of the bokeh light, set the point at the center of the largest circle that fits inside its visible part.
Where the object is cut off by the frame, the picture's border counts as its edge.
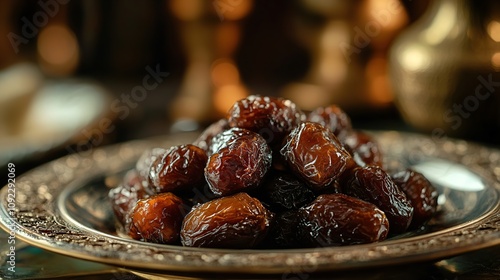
(186, 9)
(378, 81)
(234, 9)
(226, 96)
(495, 61)
(58, 50)
(494, 30)
(224, 72)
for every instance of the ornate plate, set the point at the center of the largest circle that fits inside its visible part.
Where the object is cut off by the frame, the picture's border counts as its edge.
(62, 207)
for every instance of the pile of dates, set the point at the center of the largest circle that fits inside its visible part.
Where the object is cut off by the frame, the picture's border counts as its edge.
(271, 176)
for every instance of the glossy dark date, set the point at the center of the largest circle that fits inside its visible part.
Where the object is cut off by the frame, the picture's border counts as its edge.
(240, 165)
(373, 184)
(421, 193)
(180, 168)
(363, 148)
(227, 138)
(338, 219)
(271, 117)
(157, 219)
(315, 155)
(205, 139)
(332, 118)
(283, 191)
(125, 196)
(285, 232)
(237, 221)
(143, 164)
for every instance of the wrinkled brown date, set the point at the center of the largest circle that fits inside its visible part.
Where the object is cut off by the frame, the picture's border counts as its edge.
(271, 117)
(239, 165)
(157, 219)
(237, 221)
(284, 232)
(333, 118)
(422, 195)
(315, 155)
(363, 148)
(147, 158)
(338, 219)
(124, 197)
(204, 141)
(180, 168)
(283, 191)
(227, 138)
(373, 184)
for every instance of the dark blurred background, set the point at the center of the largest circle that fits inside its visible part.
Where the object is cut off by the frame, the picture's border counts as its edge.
(141, 69)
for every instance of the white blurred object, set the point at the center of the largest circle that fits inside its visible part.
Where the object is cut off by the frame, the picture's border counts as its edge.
(18, 86)
(59, 113)
(450, 175)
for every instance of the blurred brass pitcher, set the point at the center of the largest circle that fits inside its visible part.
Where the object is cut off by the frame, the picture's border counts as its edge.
(445, 70)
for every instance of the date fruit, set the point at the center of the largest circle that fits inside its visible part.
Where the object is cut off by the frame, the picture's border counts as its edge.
(285, 231)
(143, 164)
(227, 138)
(199, 195)
(157, 219)
(124, 197)
(283, 191)
(315, 155)
(270, 117)
(421, 193)
(240, 165)
(205, 139)
(333, 118)
(180, 168)
(237, 221)
(338, 219)
(363, 148)
(373, 184)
